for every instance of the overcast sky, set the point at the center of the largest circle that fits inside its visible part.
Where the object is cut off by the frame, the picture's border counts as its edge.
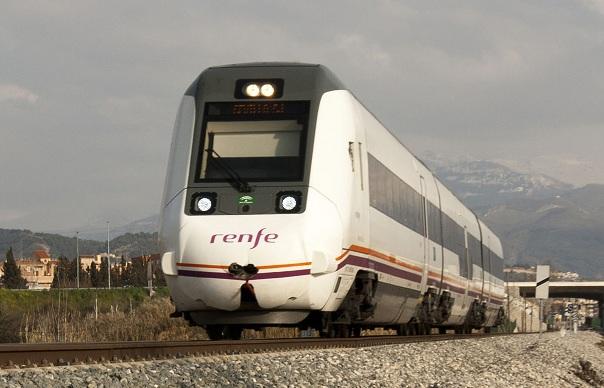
(89, 89)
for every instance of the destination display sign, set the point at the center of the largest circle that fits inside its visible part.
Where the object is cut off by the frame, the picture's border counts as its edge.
(257, 108)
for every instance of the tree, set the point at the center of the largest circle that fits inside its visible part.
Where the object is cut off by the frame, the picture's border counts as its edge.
(102, 274)
(12, 273)
(158, 275)
(65, 273)
(93, 274)
(137, 272)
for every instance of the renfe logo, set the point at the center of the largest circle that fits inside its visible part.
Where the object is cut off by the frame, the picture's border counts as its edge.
(246, 237)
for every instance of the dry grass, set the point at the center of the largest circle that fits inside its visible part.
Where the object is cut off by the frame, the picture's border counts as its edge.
(149, 321)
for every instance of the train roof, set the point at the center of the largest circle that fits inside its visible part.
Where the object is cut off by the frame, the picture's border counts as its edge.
(268, 64)
(307, 80)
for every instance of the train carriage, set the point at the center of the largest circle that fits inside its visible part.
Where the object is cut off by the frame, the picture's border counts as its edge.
(286, 202)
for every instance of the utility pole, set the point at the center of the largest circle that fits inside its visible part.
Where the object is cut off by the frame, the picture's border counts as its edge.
(108, 259)
(78, 258)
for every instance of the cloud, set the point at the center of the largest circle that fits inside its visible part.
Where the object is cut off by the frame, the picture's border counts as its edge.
(493, 79)
(597, 5)
(12, 92)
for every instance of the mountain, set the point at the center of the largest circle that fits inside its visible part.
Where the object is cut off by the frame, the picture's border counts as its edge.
(540, 220)
(24, 242)
(486, 183)
(566, 231)
(98, 231)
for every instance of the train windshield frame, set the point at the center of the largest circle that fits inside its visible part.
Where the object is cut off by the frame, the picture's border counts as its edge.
(256, 141)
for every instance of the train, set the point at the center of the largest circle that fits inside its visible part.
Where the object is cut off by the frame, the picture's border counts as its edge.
(287, 203)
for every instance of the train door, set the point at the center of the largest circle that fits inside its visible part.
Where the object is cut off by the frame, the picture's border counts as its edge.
(360, 190)
(467, 262)
(487, 270)
(480, 264)
(425, 242)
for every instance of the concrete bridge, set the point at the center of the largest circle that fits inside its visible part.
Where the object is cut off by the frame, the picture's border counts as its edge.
(583, 289)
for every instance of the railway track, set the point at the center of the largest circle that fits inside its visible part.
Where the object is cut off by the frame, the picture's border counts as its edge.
(34, 355)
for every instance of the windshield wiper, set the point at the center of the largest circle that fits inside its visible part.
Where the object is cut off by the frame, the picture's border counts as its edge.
(235, 179)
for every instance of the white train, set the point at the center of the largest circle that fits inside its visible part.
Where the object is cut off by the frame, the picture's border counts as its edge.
(286, 202)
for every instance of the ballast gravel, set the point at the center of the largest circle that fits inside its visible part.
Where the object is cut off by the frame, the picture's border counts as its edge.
(518, 361)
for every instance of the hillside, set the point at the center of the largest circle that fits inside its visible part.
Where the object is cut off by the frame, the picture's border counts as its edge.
(540, 220)
(24, 242)
(482, 183)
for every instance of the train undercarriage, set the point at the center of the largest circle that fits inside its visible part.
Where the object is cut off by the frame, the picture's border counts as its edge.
(357, 307)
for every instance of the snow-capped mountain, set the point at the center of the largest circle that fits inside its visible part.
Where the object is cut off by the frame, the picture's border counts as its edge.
(485, 183)
(541, 220)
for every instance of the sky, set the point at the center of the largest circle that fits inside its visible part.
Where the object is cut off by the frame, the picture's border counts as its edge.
(89, 89)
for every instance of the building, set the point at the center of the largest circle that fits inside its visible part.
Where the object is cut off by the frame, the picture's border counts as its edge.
(87, 260)
(39, 270)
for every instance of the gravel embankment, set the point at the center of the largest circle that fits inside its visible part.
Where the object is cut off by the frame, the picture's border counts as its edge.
(521, 361)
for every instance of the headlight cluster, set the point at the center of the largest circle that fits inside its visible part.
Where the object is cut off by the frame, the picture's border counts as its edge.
(203, 203)
(289, 201)
(259, 88)
(286, 202)
(255, 90)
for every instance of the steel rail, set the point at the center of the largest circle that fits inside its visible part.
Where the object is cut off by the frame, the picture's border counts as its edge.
(33, 355)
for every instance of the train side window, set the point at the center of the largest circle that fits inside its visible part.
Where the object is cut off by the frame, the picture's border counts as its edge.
(474, 250)
(392, 196)
(487, 259)
(434, 222)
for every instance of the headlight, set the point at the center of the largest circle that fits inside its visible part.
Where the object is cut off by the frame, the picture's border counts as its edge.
(289, 202)
(203, 203)
(252, 90)
(267, 90)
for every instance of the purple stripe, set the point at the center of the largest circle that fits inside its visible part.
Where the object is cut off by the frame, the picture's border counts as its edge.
(259, 276)
(451, 287)
(204, 274)
(380, 267)
(376, 265)
(459, 290)
(283, 274)
(433, 282)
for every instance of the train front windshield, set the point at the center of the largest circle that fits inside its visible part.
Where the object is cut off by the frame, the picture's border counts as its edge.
(255, 141)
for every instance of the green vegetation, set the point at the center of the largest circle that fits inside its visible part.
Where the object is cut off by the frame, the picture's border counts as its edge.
(12, 274)
(84, 300)
(123, 274)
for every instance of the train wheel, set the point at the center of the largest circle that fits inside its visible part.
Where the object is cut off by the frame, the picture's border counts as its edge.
(330, 332)
(402, 330)
(220, 332)
(356, 331)
(442, 330)
(425, 329)
(344, 331)
(459, 330)
(216, 332)
(233, 332)
(412, 329)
